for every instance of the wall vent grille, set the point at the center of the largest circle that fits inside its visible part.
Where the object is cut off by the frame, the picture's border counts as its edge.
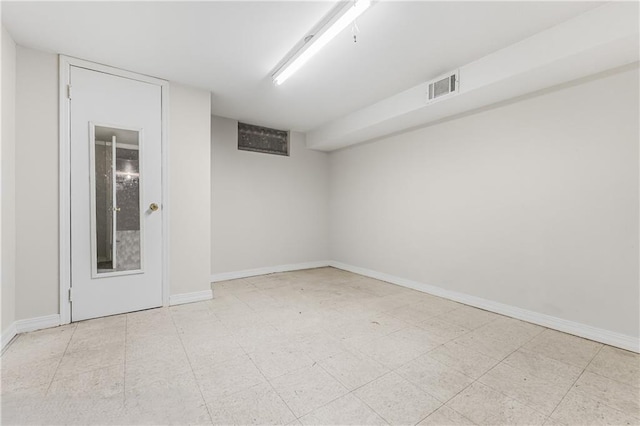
(443, 86)
(262, 139)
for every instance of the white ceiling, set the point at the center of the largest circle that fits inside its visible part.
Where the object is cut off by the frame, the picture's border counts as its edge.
(230, 48)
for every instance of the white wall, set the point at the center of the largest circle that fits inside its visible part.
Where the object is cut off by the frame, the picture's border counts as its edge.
(267, 210)
(533, 204)
(7, 165)
(36, 184)
(189, 189)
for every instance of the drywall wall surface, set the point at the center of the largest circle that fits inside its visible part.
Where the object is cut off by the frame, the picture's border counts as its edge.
(533, 204)
(267, 210)
(8, 190)
(37, 242)
(189, 189)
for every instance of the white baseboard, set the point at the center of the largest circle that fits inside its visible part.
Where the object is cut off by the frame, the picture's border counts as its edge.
(38, 323)
(196, 296)
(30, 324)
(582, 330)
(224, 276)
(8, 335)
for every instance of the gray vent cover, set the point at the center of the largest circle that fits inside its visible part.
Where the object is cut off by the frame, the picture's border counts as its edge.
(443, 86)
(262, 139)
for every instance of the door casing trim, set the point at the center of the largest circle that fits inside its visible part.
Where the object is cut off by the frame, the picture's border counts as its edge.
(65, 64)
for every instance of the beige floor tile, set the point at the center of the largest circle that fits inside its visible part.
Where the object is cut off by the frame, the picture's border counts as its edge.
(617, 364)
(483, 405)
(578, 409)
(85, 409)
(617, 395)
(242, 285)
(211, 328)
(396, 400)
(509, 330)
(542, 367)
(391, 352)
(445, 416)
(101, 383)
(353, 369)
(532, 391)
(497, 349)
(413, 314)
(114, 321)
(145, 371)
(434, 377)
(28, 374)
(469, 317)
(96, 338)
(359, 331)
(38, 345)
(346, 410)
(434, 306)
(151, 321)
(387, 303)
(552, 422)
(257, 300)
(90, 359)
(278, 361)
(23, 406)
(305, 390)
(153, 347)
(315, 343)
(320, 332)
(204, 352)
(227, 378)
(257, 405)
(564, 347)
(464, 359)
(441, 329)
(174, 401)
(375, 287)
(259, 337)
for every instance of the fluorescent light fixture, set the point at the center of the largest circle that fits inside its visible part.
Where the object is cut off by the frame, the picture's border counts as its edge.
(320, 38)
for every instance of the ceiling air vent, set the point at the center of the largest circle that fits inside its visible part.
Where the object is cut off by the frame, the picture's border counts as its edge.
(443, 86)
(262, 139)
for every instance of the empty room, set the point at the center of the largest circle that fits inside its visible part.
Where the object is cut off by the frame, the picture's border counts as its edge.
(320, 213)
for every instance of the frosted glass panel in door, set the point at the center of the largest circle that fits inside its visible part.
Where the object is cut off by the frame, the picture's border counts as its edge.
(117, 243)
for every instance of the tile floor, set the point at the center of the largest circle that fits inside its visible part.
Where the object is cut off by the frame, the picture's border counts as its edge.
(319, 346)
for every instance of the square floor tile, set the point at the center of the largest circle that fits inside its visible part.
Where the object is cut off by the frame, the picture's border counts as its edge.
(544, 368)
(257, 405)
(464, 359)
(564, 347)
(346, 410)
(434, 377)
(305, 390)
(353, 369)
(532, 391)
(274, 362)
(445, 416)
(396, 400)
(483, 405)
(620, 396)
(226, 378)
(578, 409)
(617, 364)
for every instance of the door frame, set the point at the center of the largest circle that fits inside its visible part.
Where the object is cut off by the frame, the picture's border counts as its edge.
(65, 93)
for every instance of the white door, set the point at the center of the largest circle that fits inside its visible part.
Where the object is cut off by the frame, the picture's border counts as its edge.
(116, 214)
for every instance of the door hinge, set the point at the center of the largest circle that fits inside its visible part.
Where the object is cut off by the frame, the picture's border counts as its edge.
(70, 296)
(69, 91)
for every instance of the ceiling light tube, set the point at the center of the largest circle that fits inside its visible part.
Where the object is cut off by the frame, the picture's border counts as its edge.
(320, 39)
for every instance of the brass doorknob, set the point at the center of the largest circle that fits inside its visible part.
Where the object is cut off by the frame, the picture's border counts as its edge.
(153, 207)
